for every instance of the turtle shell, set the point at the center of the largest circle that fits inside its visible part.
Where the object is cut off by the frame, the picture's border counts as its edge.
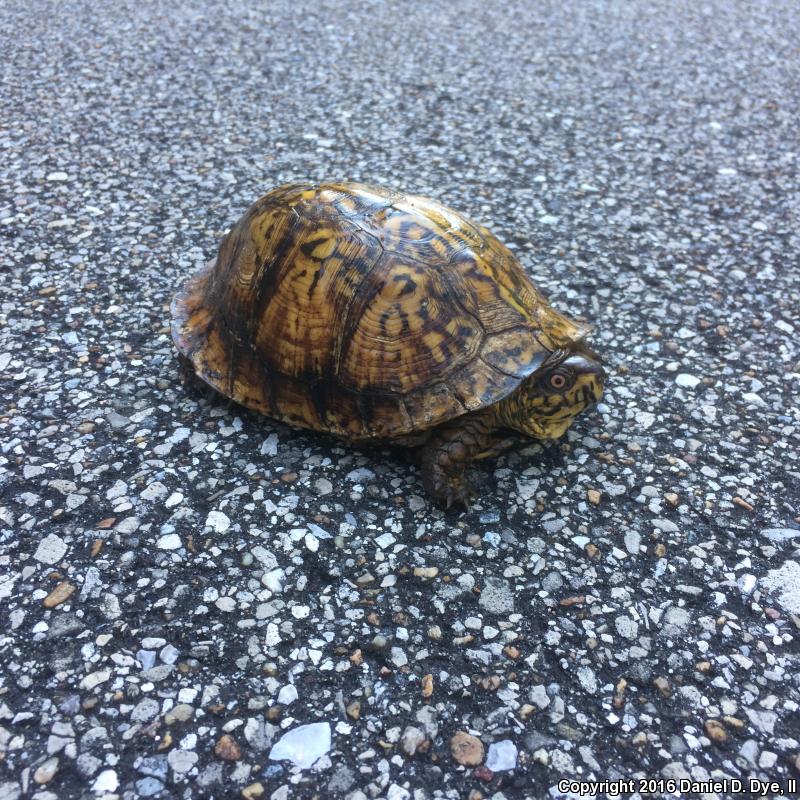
(363, 312)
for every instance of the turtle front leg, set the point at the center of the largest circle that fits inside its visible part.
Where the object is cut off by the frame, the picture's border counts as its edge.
(449, 452)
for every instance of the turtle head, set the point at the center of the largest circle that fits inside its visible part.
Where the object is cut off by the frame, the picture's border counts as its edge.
(565, 383)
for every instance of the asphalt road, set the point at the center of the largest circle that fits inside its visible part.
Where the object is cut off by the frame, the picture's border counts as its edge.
(186, 585)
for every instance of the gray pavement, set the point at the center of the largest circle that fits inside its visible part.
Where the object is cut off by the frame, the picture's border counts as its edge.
(186, 585)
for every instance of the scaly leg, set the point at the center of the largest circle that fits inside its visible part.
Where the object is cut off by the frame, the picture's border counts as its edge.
(450, 450)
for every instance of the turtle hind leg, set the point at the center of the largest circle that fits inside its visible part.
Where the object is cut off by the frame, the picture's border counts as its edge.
(449, 452)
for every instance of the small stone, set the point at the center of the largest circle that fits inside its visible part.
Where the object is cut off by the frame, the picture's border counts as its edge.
(767, 760)
(412, 740)
(593, 496)
(181, 760)
(217, 521)
(427, 685)
(170, 541)
(538, 696)
(687, 381)
(426, 572)
(663, 686)
(633, 541)
(497, 597)
(57, 177)
(627, 627)
(323, 486)
(145, 710)
(385, 540)
(174, 499)
(253, 791)
(106, 781)
(303, 745)
(179, 713)
(227, 749)
(169, 654)
(59, 595)
(354, 709)
(784, 582)
(288, 694)
(46, 771)
(95, 678)
(50, 550)
(747, 582)
(466, 749)
(715, 731)
(226, 604)
(502, 756)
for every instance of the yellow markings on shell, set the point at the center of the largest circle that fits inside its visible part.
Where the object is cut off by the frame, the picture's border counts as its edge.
(497, 289)
(326, 247)
(394, 347)
(297, 332)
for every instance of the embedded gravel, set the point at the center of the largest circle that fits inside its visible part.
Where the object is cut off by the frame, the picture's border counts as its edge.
(200, 602)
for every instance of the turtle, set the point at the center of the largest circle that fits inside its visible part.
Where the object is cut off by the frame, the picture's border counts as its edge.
(372, 314)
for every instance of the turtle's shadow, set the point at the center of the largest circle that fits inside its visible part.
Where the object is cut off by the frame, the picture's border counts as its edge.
(549, 456)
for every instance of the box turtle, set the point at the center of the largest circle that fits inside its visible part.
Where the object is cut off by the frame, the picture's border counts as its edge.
(373, 314)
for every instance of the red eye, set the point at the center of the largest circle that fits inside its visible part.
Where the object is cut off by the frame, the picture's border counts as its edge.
(558, 381)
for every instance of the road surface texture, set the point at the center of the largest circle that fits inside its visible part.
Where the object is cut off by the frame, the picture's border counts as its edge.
(186, 586)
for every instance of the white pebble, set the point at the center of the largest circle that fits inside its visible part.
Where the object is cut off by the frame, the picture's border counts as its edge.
(50, 550)
(747, 583)
(288, 694)
(106, 781)
(225, 604)
(170, 541)
(323, 486)
(173, 499)
(273, 636)
(502, 756)
(95, 678)
(303, 745)
(217, 521)
(686, 380)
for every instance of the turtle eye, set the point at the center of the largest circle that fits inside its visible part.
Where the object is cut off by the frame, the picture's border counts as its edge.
(559, 380)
